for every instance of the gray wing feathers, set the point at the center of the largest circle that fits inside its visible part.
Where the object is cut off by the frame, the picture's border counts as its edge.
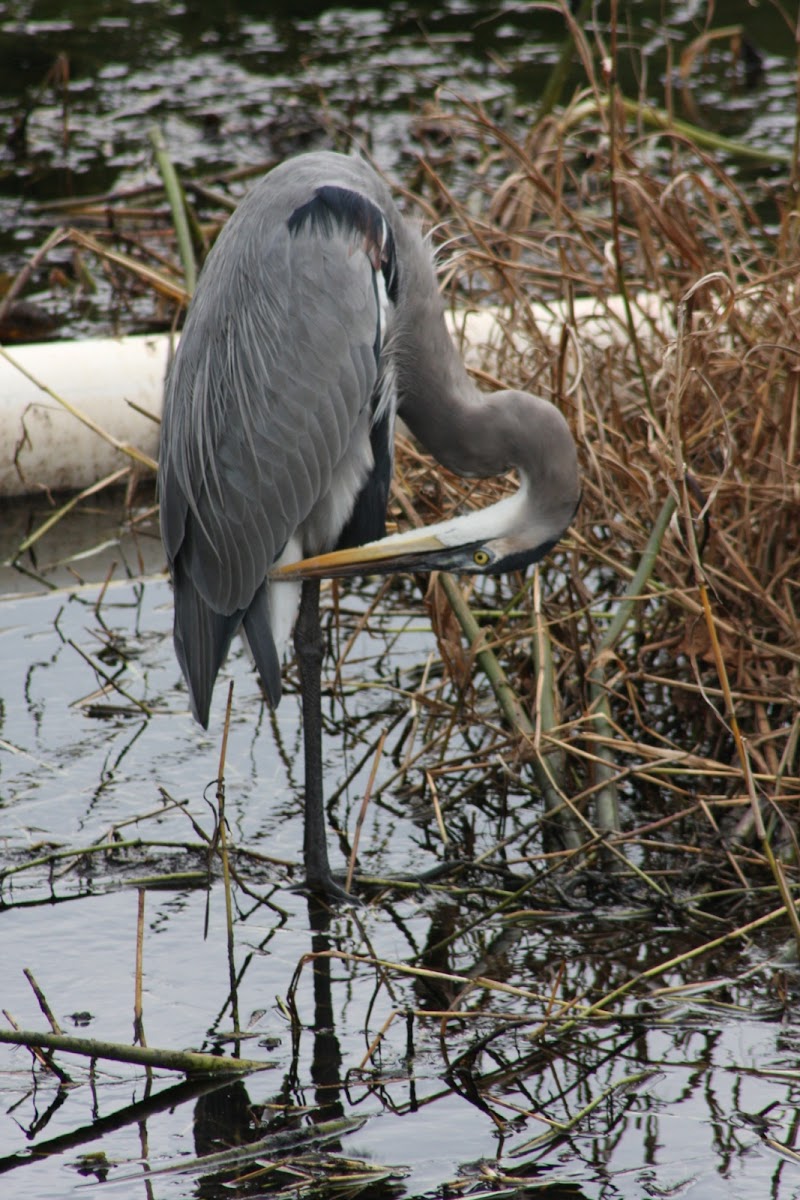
(275, 369)
(257, 458)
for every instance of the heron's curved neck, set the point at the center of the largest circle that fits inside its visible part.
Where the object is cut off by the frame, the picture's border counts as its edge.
(465, 430)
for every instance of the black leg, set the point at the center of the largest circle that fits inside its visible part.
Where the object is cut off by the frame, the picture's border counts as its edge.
(308, 648)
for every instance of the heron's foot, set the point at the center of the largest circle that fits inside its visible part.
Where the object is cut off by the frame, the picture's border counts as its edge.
(326, 886)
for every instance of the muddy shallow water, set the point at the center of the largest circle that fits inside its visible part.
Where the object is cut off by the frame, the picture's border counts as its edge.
(681, 1096)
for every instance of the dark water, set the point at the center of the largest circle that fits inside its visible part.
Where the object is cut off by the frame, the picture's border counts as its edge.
(80, 765)
(235, 84)
(96, 744)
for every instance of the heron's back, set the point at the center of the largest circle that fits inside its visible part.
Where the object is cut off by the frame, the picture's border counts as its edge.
(279, 406)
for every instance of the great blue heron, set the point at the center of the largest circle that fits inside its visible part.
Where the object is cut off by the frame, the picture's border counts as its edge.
(316, 319)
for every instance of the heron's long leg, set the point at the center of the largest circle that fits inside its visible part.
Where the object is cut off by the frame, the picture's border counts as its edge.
(308, 648)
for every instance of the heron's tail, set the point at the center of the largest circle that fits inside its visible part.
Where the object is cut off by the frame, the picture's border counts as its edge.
(257, 623)
(202, 640)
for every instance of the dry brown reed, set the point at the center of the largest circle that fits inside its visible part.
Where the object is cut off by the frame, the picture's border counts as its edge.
(682, 704)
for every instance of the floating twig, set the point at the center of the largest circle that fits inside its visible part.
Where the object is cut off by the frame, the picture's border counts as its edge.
(190, 1062)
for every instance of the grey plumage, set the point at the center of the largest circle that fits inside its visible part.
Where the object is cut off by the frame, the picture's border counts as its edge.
(316, 318)
(268, 397)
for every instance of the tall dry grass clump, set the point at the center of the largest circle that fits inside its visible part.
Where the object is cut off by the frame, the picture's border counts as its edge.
(671, 344)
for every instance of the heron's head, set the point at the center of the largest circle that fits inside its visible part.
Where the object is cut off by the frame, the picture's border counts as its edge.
(507, 536)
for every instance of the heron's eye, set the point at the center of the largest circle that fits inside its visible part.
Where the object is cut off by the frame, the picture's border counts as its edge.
(480, 558)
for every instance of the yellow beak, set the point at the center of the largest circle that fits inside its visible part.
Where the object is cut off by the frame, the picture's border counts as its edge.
(400, 552)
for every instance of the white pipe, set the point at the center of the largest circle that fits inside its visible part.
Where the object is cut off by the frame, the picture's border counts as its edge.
(42, 445)
(45, 447)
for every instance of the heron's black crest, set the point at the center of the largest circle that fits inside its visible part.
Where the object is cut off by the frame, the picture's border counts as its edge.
(334, 207)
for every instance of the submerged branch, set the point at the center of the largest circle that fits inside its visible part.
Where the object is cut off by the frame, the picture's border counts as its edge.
(190, 1062)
